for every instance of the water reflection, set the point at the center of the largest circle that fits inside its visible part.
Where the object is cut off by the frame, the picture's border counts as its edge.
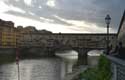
(93, 57)
(42, 69)
(69, 58)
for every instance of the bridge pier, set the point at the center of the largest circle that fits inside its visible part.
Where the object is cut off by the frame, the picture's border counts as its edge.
(82, 56)
(66, 68)
(63, 70)
(69, 58)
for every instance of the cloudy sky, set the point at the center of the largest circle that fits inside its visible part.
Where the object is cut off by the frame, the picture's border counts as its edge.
(65, 16)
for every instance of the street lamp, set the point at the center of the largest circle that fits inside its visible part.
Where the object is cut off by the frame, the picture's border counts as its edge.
(107, 20)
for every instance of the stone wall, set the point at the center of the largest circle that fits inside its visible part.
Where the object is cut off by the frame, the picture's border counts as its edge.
(121, 31)
(7, 50)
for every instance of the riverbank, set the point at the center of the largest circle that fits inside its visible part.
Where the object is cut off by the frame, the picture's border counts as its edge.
(100, 72)
(76, 72)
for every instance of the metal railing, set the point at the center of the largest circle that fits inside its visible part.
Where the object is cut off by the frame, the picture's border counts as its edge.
(118, 68)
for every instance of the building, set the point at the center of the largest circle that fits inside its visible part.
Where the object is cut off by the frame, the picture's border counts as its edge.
(27, 29)
(118, 61)
(9, 39)
(7, 34)
(6, 26)
(121, 30)
(0, 38)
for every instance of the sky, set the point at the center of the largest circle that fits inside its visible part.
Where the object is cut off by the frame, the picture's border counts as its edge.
(65, 16)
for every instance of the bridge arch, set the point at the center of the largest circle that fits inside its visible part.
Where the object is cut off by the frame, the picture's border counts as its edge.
(94, 52)
(83, 54)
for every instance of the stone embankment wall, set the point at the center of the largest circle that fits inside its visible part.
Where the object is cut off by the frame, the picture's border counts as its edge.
(28, 52)
(7, 50)
(37, 52)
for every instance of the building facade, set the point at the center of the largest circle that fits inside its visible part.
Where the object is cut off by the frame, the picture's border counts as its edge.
(121, 31)
(0, 38)
(7, 34)
(6, 26)
(9, 40)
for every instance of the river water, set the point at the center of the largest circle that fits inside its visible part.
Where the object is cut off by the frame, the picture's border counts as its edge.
(33, 69)
(37, 69)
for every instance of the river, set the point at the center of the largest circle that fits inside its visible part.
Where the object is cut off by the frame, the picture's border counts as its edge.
(40, 69)
(32, 69)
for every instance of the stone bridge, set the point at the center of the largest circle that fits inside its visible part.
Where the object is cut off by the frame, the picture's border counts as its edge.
(67, 40)
(82, 43)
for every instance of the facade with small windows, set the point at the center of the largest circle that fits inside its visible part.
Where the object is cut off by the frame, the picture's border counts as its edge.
(66, 39)
(7, 34)
(8, 40)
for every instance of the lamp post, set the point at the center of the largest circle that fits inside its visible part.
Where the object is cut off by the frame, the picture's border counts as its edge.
(107, 20)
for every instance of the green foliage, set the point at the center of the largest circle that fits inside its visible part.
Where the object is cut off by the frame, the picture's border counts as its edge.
(104, 68)
(101, 72)
(89, 74)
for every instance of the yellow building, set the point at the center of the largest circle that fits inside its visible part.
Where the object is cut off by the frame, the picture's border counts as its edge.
(9, 39)
(8, 35)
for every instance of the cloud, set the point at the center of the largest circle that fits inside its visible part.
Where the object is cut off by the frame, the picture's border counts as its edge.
(28, 2)
(69, 12)
(51, 3)
(113, 7)
(4, 7)
(85, 26)
(39, 25)
(47, 20)
(31, 13)
(16, 9)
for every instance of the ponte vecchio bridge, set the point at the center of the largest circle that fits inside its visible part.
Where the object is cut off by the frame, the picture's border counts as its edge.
(73, 40)
(82, 43)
